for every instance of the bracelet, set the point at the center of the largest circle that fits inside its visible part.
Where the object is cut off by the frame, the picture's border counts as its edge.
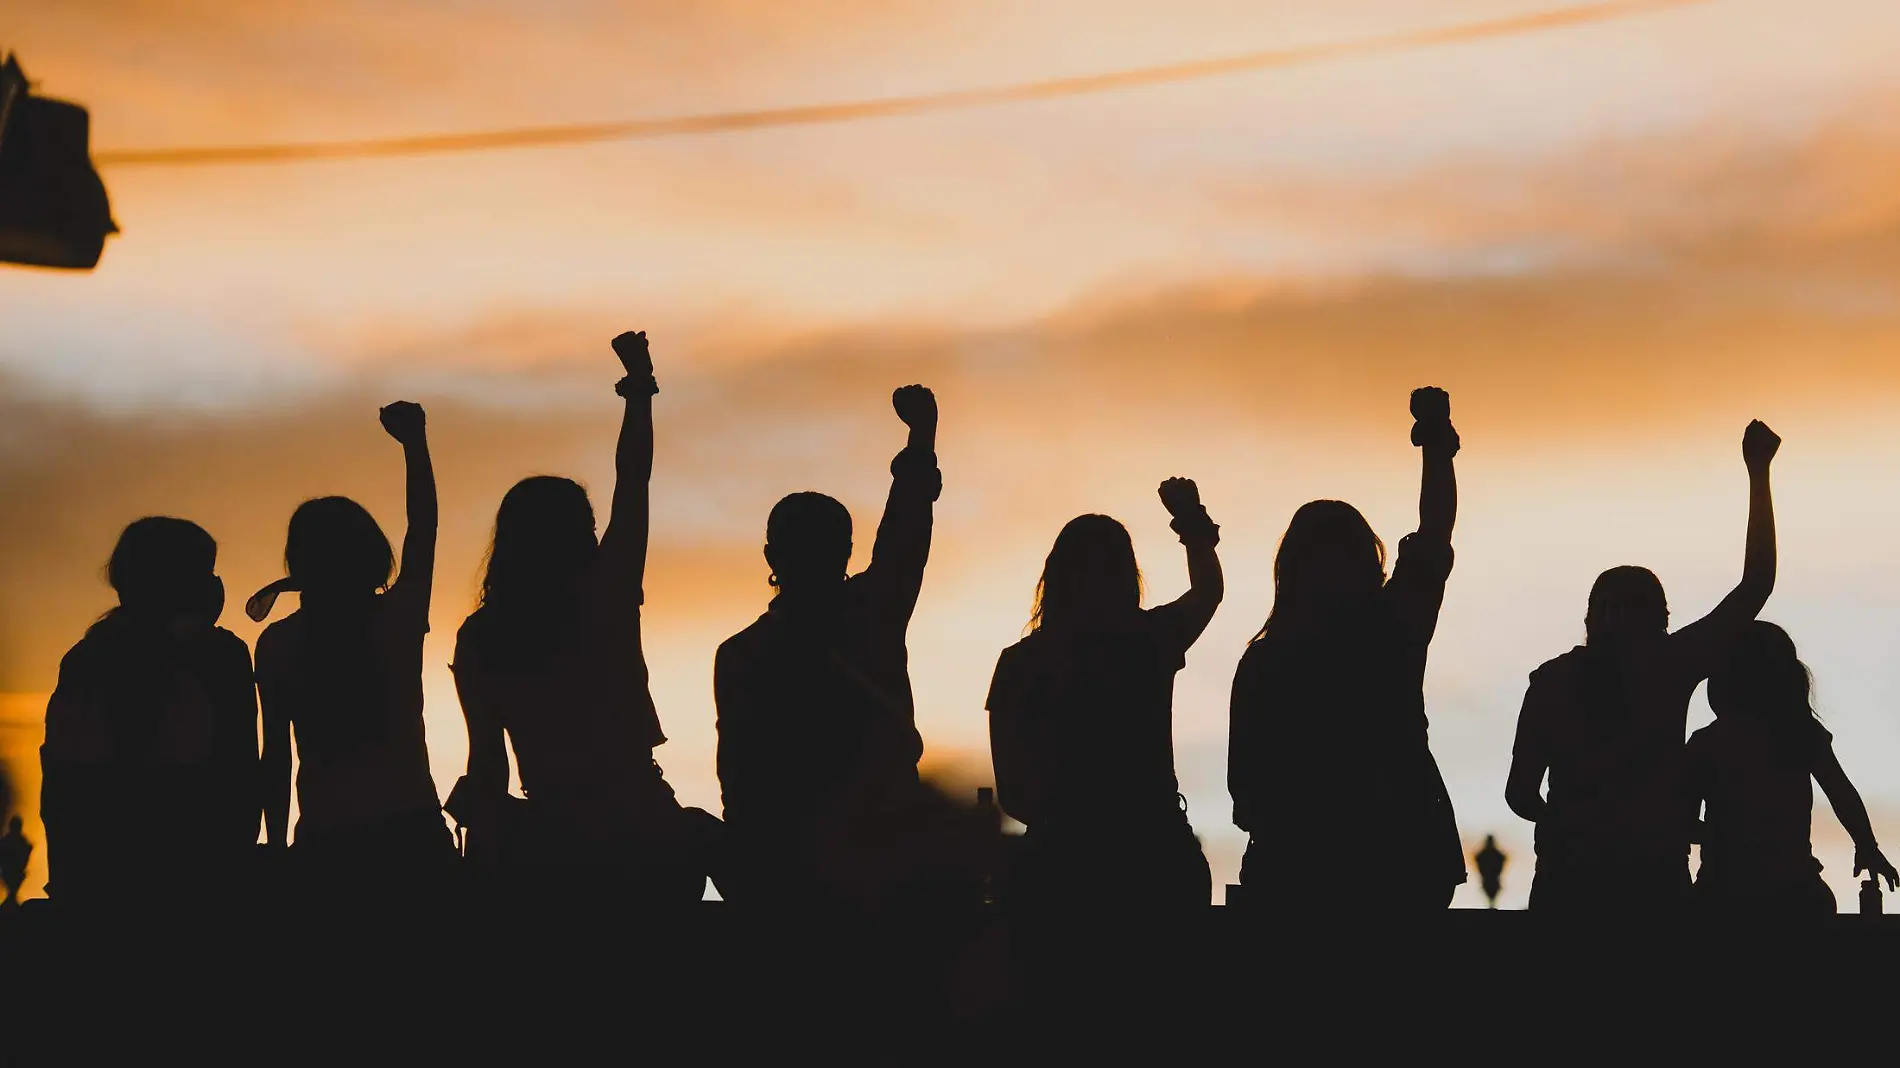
(1435, 433)
(625, 386)
(1197, 526)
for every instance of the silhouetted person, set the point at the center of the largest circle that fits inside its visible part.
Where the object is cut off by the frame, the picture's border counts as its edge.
(552, 660)
(15, 851)
(154, 712)
(1490, 862)
(1328, 760)
(1082, 721)
(818, 744)
(1754, 768)
(1607, 720)
(344, 673)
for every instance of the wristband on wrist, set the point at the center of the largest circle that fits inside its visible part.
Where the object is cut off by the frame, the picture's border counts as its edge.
(631, 386)
(1196, 526)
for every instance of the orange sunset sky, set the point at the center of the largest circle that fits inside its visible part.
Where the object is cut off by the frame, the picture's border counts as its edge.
(1614, 243)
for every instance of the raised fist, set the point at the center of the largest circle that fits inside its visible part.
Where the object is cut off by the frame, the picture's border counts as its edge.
(631, 347)
(916, 406)
(1180, 496)
(1431, 405)
(1759, 445)
(404, 420)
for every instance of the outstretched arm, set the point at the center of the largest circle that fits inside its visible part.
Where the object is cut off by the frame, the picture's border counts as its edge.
(1437, 440)
(487, 753)
(1852, 812)
(623, 545)
(1530, 758)
(1709, 635)
(406, 422)
(1188, 615)
(275, 765)
(1524, 788)
(903, 534)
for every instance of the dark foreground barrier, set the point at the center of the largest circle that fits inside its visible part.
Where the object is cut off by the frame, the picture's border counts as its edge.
(473, 979)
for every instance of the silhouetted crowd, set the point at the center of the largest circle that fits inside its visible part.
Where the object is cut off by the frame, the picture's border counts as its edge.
(152, 759)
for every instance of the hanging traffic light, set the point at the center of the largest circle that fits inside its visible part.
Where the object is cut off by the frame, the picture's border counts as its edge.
(53, 207)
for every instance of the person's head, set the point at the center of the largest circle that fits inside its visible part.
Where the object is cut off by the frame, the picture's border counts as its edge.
(336, 550)
(1329, 560)
(1763, 679)
(544, 539)
(1090, 575)
(1627, 606)
(165, 568)
(808, 541)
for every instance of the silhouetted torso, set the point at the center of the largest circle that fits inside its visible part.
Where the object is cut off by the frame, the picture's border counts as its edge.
(1611, 732)
(1760, 809)
(150, 759)
(817, 734)
(580, 719)
(1329, 743)
(1082, 724)
(1094, 714)
(356, 780)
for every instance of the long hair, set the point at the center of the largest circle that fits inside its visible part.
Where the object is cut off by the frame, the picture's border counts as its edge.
(340, 559)
(1627, 607)
(161, 568)
(1763, 679)
(1090, 573)
(542, 545)
(1329, 559)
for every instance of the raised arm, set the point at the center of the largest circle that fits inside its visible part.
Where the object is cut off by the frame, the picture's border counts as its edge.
(1709, 636)
(903, 534)
(1188, 615)
(1852, 812)
(405, 421)
(1437, 440)
(623, 545)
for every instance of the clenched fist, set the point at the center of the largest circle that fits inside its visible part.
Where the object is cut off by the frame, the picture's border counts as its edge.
(1759, 445)
(916, 406)
(404, 420)
(1180, 496)
(631, 347)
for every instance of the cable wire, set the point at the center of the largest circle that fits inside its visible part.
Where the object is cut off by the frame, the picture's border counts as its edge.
(886, 107)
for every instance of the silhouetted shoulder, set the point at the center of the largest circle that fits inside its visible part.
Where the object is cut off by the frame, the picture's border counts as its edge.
(275, 642)
(745, 644)
(230, 647)
(1422, 555)
(1558, 669)
(1006, 682)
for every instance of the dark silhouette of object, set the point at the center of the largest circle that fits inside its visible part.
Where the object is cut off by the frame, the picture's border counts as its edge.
(1082, 721)
(552, 660)
(1870, 896)
(1328, 703)
(15, 850)
(818, 744)
(1607, 720)
(154, 712)
(344, 673)
(1490, 861)
(1753, 768)
(53, 207)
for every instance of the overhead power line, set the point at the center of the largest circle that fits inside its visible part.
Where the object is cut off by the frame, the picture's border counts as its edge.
(886, 107)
